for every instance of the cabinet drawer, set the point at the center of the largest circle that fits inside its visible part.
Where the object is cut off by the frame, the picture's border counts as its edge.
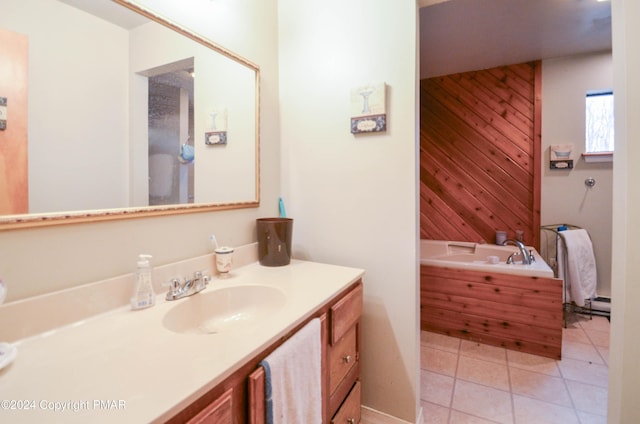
(342, 356)
(220, 411)
(349, 412)
(345, 313)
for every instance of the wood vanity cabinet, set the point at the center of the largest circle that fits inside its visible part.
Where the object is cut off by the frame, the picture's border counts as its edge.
(220, 411)
(343, 364)
(240, 398)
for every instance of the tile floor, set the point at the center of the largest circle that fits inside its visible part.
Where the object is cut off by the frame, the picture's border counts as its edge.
(466, 382)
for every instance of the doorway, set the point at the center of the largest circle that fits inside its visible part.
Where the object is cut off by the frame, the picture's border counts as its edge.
(171, 155)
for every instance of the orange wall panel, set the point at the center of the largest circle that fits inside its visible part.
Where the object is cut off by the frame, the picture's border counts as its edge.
(14, 188)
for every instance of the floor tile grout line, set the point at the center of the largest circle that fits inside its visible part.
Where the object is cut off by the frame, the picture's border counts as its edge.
(436, 347)
(573, 403)
(509, 365)
(482, 384)
(605, 361)
(548, 402)
(595, 346)
(513, 402)
(587, 384)
(455, 378)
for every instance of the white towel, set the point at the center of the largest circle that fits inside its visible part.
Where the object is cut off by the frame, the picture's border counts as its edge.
(575, 256)
(160, 175)
(294, 380)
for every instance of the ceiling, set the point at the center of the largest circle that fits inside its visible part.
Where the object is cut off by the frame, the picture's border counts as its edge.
(110, 11)
(465, 35)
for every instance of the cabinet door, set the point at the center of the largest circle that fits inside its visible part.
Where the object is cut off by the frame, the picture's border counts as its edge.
(343, 351)
(220, 411)
(257, 410)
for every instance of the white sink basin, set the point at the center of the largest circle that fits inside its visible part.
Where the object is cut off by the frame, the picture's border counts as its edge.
(221, 310)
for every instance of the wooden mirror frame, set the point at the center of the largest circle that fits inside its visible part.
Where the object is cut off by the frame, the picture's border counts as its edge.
(22, 221)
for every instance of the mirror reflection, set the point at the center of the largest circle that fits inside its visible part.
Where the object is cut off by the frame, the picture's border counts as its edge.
(107, 109)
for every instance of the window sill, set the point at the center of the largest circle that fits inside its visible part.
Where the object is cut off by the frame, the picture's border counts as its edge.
(598, 157)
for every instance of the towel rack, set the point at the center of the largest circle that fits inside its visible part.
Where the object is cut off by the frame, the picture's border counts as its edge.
(549, 236)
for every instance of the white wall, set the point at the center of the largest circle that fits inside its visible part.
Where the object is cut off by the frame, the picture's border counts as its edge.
(565, 197)
(624, 367)
(354, 198)
(77, 106)
(41, 260)
(223, 173)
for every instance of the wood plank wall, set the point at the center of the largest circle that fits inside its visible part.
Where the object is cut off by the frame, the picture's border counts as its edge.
(480, 154)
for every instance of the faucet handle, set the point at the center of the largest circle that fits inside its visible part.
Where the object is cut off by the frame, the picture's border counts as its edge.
(174, 288)
(173, 284)
(202, 279)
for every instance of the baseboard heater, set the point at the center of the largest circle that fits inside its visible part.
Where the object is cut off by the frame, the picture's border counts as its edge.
(600, 306)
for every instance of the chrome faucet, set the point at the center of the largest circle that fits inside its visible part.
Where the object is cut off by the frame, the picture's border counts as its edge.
(527, 257)
(190, 287)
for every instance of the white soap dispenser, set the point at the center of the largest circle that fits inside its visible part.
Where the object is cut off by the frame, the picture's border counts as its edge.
(143, 295)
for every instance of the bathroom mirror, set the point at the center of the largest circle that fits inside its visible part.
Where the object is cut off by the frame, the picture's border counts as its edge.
(92, 141)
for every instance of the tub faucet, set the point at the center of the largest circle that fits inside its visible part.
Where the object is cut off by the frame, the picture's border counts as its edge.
(526, 257)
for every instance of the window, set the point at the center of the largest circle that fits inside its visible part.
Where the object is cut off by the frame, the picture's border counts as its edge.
(599, 122)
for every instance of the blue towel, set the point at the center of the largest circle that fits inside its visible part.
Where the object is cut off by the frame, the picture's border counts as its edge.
(187, 153)
(267, 393)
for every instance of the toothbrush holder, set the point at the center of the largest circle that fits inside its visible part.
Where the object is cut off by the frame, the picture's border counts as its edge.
(224, 260)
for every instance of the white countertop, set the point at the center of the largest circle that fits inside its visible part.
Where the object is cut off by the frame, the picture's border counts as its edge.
(125, 366)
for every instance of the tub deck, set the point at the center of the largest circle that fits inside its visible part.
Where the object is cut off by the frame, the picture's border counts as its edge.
(515, 311)
(475, 256)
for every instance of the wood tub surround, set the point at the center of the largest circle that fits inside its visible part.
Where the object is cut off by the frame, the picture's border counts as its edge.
(516, 312)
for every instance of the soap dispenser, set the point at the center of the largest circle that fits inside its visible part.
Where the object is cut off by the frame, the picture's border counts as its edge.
(143, 295)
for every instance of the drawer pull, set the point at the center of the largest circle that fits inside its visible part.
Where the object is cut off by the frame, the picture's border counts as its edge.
(351, 421)
(346, 359)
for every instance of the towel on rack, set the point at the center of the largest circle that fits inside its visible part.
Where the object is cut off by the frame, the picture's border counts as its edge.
(293, 378)
(577, 265)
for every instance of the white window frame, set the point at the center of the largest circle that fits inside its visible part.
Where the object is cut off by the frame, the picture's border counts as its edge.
(592, 153)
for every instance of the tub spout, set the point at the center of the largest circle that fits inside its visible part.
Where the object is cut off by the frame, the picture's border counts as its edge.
(526, 259)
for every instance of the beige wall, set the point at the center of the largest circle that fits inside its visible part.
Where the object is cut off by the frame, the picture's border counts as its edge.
(624, 368)
(222, 173)
(565, 197)
(63, 125)
(354, 198)
(41, 260)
